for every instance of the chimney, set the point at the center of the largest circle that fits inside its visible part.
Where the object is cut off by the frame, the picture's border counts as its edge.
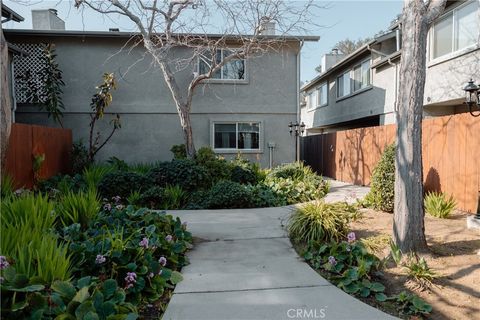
(47, 19)
(267, 27)
(330, 59)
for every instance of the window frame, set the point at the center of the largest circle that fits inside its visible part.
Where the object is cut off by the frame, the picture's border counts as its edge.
(236, 149)
(225, 80)
(452, 14)
(351, 75)
(319, 91)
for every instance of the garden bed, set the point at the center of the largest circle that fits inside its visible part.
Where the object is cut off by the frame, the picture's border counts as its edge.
(455, 294)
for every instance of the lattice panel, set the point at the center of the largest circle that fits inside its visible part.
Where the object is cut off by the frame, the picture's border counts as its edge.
(23, 65)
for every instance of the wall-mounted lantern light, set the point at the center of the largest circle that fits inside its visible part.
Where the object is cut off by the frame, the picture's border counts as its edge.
(472, 97)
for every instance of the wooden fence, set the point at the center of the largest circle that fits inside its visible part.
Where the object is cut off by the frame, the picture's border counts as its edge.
(29, 141)
(451, 155)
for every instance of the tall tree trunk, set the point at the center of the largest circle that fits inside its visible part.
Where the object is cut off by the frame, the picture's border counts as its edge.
(5, 99)
(187, 131)
(408, 226)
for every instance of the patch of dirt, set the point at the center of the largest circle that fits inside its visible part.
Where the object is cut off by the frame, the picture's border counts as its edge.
(454, 256)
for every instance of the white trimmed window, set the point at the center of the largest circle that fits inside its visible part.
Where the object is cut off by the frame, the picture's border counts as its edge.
(312, 100)
(236, 136)
(456, 30)
(233, 70)
(343, 85)
(322, 95)
(361, 76)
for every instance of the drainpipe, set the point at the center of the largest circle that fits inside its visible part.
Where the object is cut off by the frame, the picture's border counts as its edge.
(297, 151)
(397, 38)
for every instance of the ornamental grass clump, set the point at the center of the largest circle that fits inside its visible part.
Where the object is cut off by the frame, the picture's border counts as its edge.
(80, 207)
(437, 205)
(321, 221)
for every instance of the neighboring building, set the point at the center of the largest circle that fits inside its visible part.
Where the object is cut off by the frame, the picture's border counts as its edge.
(361, 90)
(240, 112)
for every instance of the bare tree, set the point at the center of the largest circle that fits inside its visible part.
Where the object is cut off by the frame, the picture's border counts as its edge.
(165, 26)
(5, 98)
(347, 46)
(408, 226)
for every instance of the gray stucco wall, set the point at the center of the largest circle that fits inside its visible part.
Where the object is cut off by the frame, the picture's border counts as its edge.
(150, 124)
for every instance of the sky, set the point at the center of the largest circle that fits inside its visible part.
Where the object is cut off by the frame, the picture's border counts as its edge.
(352, 19)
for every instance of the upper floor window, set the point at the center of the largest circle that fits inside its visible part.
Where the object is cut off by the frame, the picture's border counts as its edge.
(236, 135)
(232, 70)
(322, 95)
(343, 85)
(361, 76)
(312, 100)
(456, 30)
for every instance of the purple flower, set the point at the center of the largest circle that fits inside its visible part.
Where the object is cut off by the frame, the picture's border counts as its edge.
(119, 206)
(351, 237)
(332, 260)
(162, 261)
(130, 279)
(117, 199)
(3, 263)
(144, 243)
(100, 259)
(107, 207)
(151, 275)
(169, 238)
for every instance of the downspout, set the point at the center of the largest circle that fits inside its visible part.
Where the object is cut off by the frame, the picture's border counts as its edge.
(297, 151)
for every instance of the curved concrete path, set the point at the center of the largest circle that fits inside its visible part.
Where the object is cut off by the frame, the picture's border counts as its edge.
(244, 267)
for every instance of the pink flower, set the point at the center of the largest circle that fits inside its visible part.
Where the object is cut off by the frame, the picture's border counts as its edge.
(332, 260)
(107, 207)
(100, 259)
(130, 279)
(3, 263)
(351, 237)
(144, 243)
(168, 238)
(116, 199)
(162, 261)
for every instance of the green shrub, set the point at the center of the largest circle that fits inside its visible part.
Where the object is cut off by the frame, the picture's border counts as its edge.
(118, 164)
(80, 207)
(94, 174)
(179, 151)
(227, 195)
(253, 167)
(182, 172)
(153, 198)
(381, 195)
(243, 175)
(174, 197)
(120, 183)
(197, 200)
(262, 197)
(79, 157)
(437, 205)
(217, 167)
(8, 186)
(63, 184)
(321, 221)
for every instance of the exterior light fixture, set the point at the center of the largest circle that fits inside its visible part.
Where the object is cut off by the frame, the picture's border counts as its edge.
(472, 97)
(296, 129)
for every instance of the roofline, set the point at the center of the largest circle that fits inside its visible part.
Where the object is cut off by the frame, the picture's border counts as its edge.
(117, 34)
(341, 63)
(387, 59)
(10, 14)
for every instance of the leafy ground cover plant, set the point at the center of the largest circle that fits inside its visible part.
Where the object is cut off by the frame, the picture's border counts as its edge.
(141, 249)
(437, 205)
(381, 195)
(321, 221)
(418, 269)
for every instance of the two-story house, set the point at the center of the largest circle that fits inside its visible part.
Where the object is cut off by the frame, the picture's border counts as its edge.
(361, 89)
(245, 109)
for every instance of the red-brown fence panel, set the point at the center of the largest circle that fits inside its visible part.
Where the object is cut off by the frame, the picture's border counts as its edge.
(29, 141)
(451, 150)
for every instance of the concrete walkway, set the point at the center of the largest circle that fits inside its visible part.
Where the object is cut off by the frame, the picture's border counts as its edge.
(244, 267)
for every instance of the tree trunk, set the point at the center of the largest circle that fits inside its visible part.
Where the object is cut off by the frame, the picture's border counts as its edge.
(408, 226)
(5, 99)
(187, 131)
